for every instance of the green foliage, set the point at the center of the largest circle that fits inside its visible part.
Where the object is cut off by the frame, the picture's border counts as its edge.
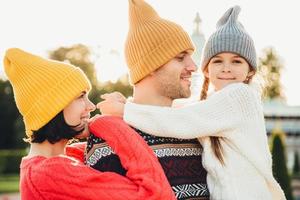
(122, 85)
(270, 67)
(9, 183)
(79, 55)
(10, 161)
(10, 136)
(280, 170)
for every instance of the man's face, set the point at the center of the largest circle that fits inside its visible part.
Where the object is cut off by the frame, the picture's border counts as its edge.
(173, 80)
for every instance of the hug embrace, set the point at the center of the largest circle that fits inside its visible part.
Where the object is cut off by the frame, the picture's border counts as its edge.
(215, 148)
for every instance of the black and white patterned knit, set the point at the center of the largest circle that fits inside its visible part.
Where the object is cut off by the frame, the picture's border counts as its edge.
(180, 160)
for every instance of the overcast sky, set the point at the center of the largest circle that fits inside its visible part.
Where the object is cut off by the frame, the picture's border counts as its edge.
(42, 25)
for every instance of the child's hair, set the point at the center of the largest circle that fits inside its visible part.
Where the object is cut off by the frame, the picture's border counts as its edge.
(215, 141)
(54, 131)
(230, 36)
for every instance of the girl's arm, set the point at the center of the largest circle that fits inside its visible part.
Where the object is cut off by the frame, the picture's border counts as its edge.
(223, 111)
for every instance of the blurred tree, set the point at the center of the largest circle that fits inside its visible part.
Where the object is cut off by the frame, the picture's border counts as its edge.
(279, 162)
(270, 67)
(122, 85)
(8, 117)
(296, 167)
(80, 55)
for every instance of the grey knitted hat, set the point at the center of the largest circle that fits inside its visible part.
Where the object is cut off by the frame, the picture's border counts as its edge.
(230, 36)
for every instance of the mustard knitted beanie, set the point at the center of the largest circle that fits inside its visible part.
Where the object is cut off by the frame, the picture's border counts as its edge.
(151, 41)
(42, 88)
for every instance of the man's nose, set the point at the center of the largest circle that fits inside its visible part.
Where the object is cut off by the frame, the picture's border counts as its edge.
(191, 65)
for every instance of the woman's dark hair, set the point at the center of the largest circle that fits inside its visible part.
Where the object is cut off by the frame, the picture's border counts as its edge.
(54, 131)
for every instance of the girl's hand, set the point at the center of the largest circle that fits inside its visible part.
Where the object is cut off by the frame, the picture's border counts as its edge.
(113, 104)
(114, 96)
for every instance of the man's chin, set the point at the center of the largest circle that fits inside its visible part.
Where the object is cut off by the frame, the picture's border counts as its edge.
(186, 94)
(186, 91)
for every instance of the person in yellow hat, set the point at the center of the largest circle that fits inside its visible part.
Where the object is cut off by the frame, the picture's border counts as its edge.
(228, 123)
(53, 99)
(158, 54)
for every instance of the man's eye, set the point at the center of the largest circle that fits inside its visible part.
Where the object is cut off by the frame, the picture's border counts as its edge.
(180, 58)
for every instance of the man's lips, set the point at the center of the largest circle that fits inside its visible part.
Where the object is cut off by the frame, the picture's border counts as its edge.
(188, 77)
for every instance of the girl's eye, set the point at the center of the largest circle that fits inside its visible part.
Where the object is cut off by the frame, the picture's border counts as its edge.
(217, 61)
(237, 61)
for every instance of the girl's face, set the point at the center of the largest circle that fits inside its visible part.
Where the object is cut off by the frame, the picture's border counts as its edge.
(226, 68)
(77, 113)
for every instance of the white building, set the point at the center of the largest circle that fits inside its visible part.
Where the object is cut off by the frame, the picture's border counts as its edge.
(198, 40)
(278, 115)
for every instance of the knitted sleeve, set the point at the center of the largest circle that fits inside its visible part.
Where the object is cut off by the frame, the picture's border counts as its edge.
(76, 150)
(68, 178)
(220, 114)
(143, 169)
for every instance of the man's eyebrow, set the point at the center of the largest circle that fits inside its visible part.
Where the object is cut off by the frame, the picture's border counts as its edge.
(182, 53)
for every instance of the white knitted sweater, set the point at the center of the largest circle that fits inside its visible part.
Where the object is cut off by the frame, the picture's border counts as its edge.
(233, 113)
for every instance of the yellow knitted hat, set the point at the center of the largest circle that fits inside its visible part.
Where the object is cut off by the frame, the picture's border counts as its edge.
(42, 88)
(151, 41)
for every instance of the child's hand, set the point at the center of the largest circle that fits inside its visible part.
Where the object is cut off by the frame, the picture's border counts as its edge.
(111, 107)
(114, 96)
